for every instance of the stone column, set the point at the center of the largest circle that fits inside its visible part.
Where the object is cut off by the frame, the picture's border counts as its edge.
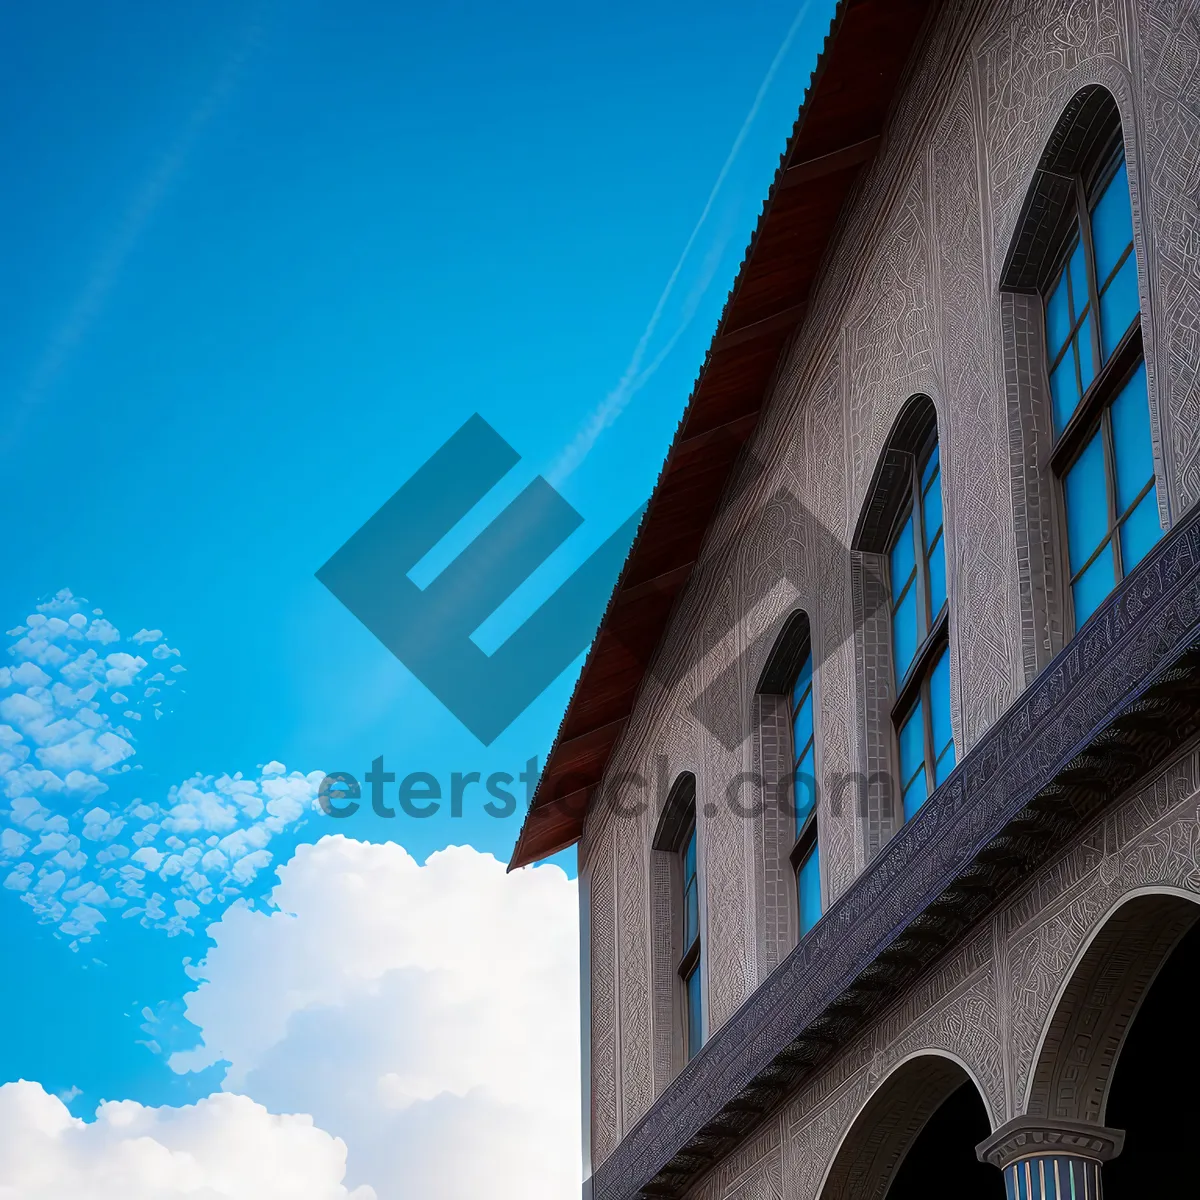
(1045, 1159)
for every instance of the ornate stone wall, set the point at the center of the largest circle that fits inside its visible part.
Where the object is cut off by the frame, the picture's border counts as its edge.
(908, 301)
(988, 1006)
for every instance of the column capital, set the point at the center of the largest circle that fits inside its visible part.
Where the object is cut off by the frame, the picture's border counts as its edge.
(1027, 1136)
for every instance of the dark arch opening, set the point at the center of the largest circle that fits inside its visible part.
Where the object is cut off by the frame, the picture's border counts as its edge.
(916, 1137)
(941, 1165)
(915, 427)
(1084, 137)
(1074, 1072)
(1154, 1095)
(790, 649)
(677, 813)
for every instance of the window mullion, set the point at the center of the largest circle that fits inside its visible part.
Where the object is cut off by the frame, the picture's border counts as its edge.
(927, 721)
(921, 564)
(1110, 487)
(1089, 263)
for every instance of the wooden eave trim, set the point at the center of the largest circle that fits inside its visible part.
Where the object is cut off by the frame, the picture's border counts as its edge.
(827, 164)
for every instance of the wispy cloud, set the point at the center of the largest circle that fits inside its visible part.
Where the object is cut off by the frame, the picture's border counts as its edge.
(105, 271)
(69, 848)
(636, 375)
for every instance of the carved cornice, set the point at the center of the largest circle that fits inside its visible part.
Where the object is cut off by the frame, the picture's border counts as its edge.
(1028, 1137)
(1116, 702)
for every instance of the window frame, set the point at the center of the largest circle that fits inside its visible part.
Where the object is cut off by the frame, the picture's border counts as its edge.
(937, 625)
(913, 687)
(1094, 410)
(791, 656)
(689, 963)
(807, 834)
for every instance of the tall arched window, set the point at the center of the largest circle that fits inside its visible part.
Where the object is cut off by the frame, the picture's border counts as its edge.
(689, 964)
(1098, 391)
(1074, 249)
(805, 857)
(787, 681)
(675, 839)
(920, 641)
(901, 539)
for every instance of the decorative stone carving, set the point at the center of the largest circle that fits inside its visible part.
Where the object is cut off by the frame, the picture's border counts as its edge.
(976, 496)
(1024, 1137)
(1152, 843)
(1168, 84)
(908, 302)
(603, 976)
(1026, 53)
(633, 962)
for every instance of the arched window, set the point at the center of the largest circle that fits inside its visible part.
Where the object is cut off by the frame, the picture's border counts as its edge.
(900, 542)
(788, 676)
(920, 640)
(1074, 249)
(689, 964)
(676, 839)
(1098, 391)
(805, 856)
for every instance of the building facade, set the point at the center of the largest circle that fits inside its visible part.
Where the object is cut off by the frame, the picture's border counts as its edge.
(885, 765)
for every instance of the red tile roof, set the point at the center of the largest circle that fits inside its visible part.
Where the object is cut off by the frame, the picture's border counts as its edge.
(836, 134)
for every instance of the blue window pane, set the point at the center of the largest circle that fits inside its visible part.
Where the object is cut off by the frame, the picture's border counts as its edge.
(903, 559)
(1077, 270)
(912, 746)
(695, 1035)
(1140, 531)
(1131, 439)
(808, 888)
(691, 915)
(1112, 224)
(937, 578)
(805, 794)
(932, 464)
(915, 795)
(944, 765)
(1087, 504)
(939, 704)
(1119, 304)
(803, 680)
(904, 632)
(1087, 355)
(1064, 391)
(689, 858)
(1058, 318)
(1093, 585)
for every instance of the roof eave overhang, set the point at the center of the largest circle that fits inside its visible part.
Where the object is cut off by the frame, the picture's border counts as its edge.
(838, 132)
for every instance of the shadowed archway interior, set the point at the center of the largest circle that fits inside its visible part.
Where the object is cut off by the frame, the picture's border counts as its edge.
(941, 1164)
(1153, 1095)
(1094, 1015)
(916, 1137)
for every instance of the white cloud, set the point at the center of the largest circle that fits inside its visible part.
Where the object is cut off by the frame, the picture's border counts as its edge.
(427, 1014)
(13, 843)
(225, 1147)
(59, 748)
(103, 631)
(85, 749)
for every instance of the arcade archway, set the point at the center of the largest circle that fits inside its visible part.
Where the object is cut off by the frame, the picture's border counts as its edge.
(916, 1137)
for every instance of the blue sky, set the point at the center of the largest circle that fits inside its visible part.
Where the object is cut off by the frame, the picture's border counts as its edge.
(262, 260)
